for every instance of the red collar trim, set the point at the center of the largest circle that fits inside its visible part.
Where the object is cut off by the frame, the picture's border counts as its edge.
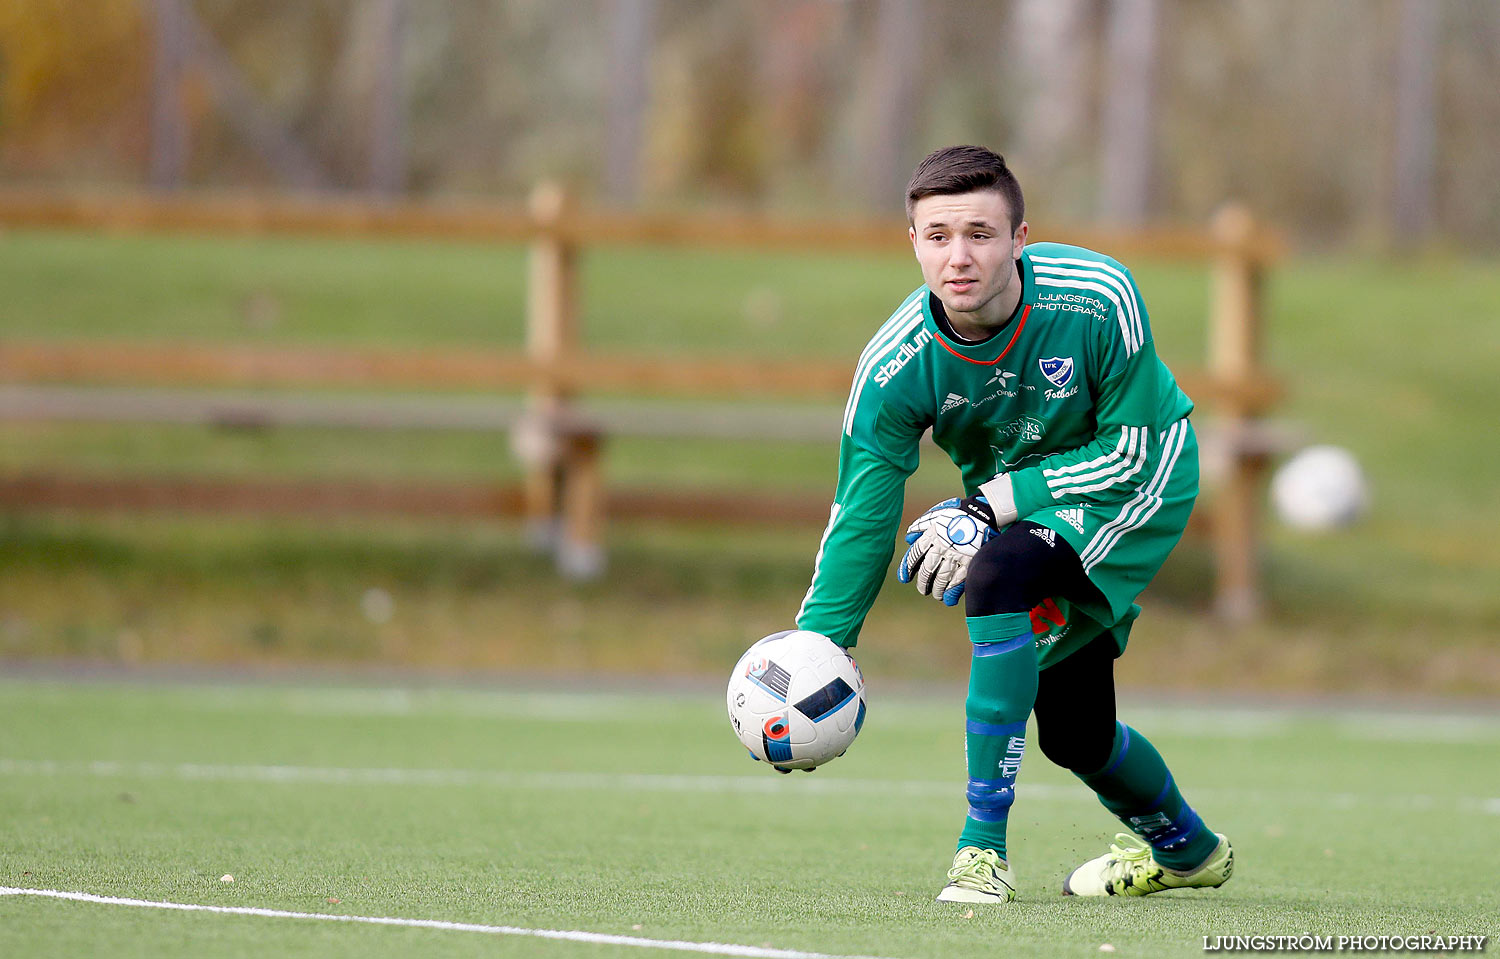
(1020, 325)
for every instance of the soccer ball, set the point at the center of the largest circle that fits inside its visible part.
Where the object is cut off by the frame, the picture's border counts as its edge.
(796, 700)
(1320, 488)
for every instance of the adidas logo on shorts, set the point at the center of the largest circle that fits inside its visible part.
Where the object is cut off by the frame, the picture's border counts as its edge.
(1046, 535)
(1073, 517)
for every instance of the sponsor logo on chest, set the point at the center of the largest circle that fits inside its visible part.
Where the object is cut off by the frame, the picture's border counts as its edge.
(1028, 429)
(1073, 303)
(953, 402)
(1002, 383)
(1001, 378)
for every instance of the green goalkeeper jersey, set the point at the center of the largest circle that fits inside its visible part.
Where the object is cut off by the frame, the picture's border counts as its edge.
(1067, 398)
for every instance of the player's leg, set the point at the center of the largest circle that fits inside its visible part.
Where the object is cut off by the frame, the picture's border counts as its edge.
(1077, 729)
(1012, 573)
(1075, 701)
(1075, 707)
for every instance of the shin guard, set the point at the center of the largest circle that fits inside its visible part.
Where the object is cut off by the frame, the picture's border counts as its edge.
(1002, 689)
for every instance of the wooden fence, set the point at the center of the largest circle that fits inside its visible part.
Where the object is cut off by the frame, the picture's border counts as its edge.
(564, 491)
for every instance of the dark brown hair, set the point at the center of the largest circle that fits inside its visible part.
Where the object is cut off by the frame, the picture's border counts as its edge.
(964, 169)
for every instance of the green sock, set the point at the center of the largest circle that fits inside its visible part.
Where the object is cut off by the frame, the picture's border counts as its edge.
(1137, 787)
(1002, 690)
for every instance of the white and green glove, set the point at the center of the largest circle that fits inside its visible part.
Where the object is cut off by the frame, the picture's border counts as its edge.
(942, 542)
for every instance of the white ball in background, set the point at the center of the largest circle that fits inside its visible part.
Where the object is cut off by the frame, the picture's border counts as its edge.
(377, 605)
(1320, 488)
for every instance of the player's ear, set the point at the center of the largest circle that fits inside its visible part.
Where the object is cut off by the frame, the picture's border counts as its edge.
(911, 231)
(1018, 240)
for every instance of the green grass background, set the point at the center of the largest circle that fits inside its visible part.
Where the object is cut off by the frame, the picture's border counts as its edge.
(1393, 359)
(1344, 823)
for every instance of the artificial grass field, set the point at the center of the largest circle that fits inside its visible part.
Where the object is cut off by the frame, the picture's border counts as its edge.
(639, 815)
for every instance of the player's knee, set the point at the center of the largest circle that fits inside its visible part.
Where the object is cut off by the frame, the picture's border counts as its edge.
(1080, 749)
(1009, 574)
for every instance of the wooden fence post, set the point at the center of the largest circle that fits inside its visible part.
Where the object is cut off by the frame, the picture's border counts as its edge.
(551, 336)
(580, 549)
(564, 484)
(1234, 360)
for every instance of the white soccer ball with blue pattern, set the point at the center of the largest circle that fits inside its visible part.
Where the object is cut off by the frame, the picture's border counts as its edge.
(796, 700)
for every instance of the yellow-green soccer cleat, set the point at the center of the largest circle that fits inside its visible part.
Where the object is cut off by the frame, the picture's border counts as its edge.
(1129, 869)
(979, 875)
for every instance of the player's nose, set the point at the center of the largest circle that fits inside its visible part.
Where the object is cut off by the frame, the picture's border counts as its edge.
(958, 253)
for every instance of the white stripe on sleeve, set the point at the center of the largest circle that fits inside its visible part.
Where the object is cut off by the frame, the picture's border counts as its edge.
(909, 319)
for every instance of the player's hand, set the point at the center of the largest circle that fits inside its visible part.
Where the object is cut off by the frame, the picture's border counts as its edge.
(942, 542)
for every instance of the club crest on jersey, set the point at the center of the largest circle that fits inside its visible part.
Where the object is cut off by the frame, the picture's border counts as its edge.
(1057, 369)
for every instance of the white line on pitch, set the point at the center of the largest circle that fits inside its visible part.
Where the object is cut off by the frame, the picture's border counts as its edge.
(675, 945)
(496, 778)
(1172, 721)
(661, 782)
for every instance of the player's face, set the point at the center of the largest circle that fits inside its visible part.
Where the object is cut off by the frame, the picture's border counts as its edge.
(968, 256)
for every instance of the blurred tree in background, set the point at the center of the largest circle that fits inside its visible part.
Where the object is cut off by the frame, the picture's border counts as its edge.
(74, 78)
(1349, 120)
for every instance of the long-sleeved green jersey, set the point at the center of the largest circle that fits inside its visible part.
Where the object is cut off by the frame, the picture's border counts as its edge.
(1066, 399)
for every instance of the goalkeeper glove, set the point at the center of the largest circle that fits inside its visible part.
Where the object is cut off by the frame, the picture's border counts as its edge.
(942, 541)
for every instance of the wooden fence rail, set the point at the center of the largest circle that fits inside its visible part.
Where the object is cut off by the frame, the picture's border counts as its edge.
(564, 486)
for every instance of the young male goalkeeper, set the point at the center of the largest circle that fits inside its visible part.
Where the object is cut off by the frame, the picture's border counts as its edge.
(1035, 370)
